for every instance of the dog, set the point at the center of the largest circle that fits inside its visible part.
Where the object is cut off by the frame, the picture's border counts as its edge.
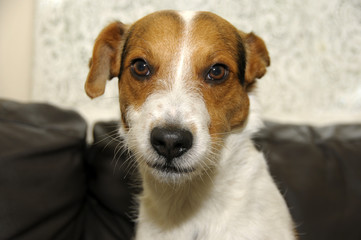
(188, 112)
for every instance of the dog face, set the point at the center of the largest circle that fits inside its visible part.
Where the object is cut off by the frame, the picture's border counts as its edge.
(184, 80)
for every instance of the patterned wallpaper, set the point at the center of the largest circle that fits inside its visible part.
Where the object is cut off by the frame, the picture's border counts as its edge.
(315, 48)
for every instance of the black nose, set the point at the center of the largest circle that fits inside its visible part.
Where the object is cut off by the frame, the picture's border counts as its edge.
(171, 142)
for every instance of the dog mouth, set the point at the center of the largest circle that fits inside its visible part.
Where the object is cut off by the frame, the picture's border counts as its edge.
(169, 168)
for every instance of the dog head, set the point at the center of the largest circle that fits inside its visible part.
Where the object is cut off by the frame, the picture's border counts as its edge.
(184, 80)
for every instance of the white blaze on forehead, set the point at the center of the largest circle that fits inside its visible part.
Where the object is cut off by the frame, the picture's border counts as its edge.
(187, 15)
(182, 66)
(181, 102)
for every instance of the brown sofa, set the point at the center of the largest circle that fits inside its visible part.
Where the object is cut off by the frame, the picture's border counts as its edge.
(53, 185)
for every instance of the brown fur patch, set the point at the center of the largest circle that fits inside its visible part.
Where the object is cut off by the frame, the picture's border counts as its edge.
(156, 39)
(217, 41)
(257, 57)
(105, 61)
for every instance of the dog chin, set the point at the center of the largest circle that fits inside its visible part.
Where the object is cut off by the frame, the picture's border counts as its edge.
(171, 174)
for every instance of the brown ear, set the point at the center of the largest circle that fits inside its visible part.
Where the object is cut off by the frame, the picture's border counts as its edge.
(257, 57)
(105, 62)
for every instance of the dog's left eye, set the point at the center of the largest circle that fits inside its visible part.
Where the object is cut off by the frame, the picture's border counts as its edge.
(217, 73)
(140, 69)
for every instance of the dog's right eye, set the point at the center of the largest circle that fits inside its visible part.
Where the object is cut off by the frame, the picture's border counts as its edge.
(140, 69)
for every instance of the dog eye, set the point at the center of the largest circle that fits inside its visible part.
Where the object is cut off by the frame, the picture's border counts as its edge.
(217, 73)
(140, 68)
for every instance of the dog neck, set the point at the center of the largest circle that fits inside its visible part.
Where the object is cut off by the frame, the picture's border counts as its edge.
(174, 203)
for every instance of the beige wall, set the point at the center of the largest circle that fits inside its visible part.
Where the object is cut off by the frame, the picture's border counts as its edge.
(16, 41)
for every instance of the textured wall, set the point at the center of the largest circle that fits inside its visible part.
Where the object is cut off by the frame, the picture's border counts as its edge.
(315, 47)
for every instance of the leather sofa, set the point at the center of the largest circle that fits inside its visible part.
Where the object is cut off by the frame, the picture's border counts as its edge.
(55, 185)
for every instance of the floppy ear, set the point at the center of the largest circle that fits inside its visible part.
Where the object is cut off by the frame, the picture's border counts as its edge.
(257, 58)
(105, 61)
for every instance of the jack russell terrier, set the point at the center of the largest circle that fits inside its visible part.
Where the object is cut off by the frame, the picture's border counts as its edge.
(187, 117)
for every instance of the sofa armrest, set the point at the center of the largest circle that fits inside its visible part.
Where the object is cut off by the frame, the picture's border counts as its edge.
(42, 180)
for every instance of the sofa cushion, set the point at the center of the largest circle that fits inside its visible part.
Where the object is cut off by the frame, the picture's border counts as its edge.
(318, 170)
(42, 180)
(113, 184)
(51, 188)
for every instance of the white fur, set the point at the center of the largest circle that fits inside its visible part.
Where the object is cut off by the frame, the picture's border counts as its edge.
(230, 195)
(187, 15)
(241, 202)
